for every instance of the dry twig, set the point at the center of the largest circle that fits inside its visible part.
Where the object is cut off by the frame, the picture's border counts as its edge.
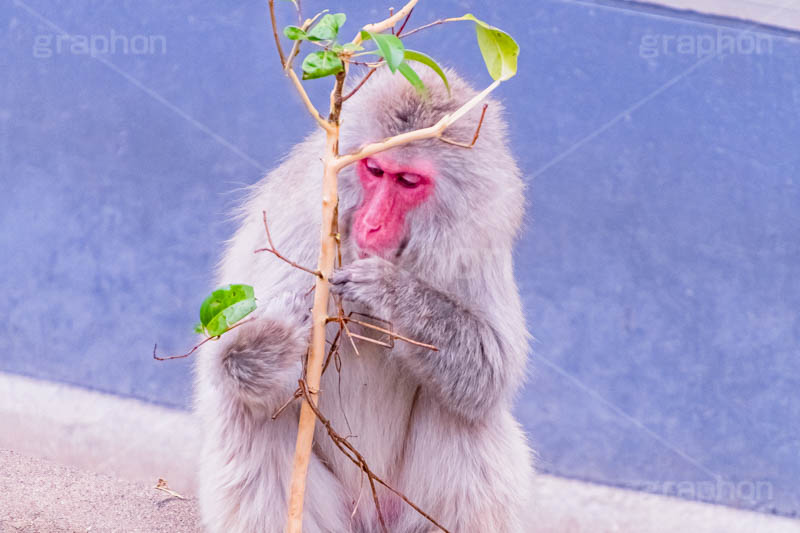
(161, 485)
(474, 138)
(199, 344)
(277, 254)
(355, 456)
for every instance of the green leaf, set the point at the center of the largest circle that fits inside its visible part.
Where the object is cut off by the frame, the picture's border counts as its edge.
(412, 77)
(230, 316)
(294, 33)
(389, 47)
(413, 55)
(223, 306)
(327, 28)
(321, 64)
(198, 328)
(499, 49)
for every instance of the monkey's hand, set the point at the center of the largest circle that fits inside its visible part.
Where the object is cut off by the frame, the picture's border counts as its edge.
(262, 362)
(476, 358)
(370, 282)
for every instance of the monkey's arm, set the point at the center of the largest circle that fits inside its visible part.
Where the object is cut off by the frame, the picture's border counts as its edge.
(478, 362)
(256, 365)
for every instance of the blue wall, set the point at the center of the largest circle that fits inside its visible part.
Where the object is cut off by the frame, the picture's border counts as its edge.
(660, 265)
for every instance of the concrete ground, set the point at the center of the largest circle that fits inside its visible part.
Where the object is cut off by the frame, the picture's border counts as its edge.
(62, 436)
(40, 496)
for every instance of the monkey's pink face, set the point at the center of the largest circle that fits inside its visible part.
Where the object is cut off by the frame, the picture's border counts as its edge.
(391, 192)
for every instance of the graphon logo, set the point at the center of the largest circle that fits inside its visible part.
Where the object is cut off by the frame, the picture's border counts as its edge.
(719, 491)
(47, 45)
(704, 45)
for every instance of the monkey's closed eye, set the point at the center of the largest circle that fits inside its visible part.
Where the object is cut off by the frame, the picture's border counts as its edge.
(373, 168)
(409, 181)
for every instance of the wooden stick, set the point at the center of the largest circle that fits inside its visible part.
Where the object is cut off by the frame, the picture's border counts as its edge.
(319, 315)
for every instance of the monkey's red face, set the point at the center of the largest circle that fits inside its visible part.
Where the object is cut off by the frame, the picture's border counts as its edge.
(391, 191)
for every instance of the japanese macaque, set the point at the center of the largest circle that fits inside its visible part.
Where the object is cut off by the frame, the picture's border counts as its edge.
(427, 231)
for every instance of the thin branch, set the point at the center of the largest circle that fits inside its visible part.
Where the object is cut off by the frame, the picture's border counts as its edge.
(368, 339)
(297, 394)
(161, 485)
(307, 102)
(198, 345)
(353, 454)
(334, 348)
(430, 132)
(403, 26)
(296, 46)
(474, 138)
(370, 64)
(299, 9)
(292, 76)
(278, 45)
(360, 84)
(277, 254)
(391, 334)
(384, 25)
(350, 337)
(336, 99)
(429, 25)
(377, 503)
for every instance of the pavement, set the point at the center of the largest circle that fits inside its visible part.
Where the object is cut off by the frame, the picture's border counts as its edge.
(38, 496)
(62, 436)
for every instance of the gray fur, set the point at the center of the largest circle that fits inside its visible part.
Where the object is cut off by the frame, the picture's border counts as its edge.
(435, 425)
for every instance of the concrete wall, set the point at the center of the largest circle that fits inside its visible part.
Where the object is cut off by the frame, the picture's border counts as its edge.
(660, 259)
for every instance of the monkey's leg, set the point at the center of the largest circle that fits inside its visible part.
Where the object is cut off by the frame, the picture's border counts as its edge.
(469, 477)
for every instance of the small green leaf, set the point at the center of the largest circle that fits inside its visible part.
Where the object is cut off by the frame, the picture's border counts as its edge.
(499, 50)
(230, 316)
(327, 28)
(413, 55)
(294, 33)
(198, 328)
(389, 47)
(219, 304)
(321, 64)
(412, 77)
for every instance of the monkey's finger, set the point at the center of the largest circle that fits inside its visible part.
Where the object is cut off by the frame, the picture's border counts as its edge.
(340, 277)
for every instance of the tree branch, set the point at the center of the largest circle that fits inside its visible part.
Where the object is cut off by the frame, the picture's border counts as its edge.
(430, 132)
(198, 345)
(385, 24)
(474, 138)
(353, 454)
(360, 84)
(429, 25)
(277, 254)
(296, 46)
(292, 76)
(390, 333)
(278, 45)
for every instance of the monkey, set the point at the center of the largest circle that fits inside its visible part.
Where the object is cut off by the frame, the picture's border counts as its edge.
(426, 232)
